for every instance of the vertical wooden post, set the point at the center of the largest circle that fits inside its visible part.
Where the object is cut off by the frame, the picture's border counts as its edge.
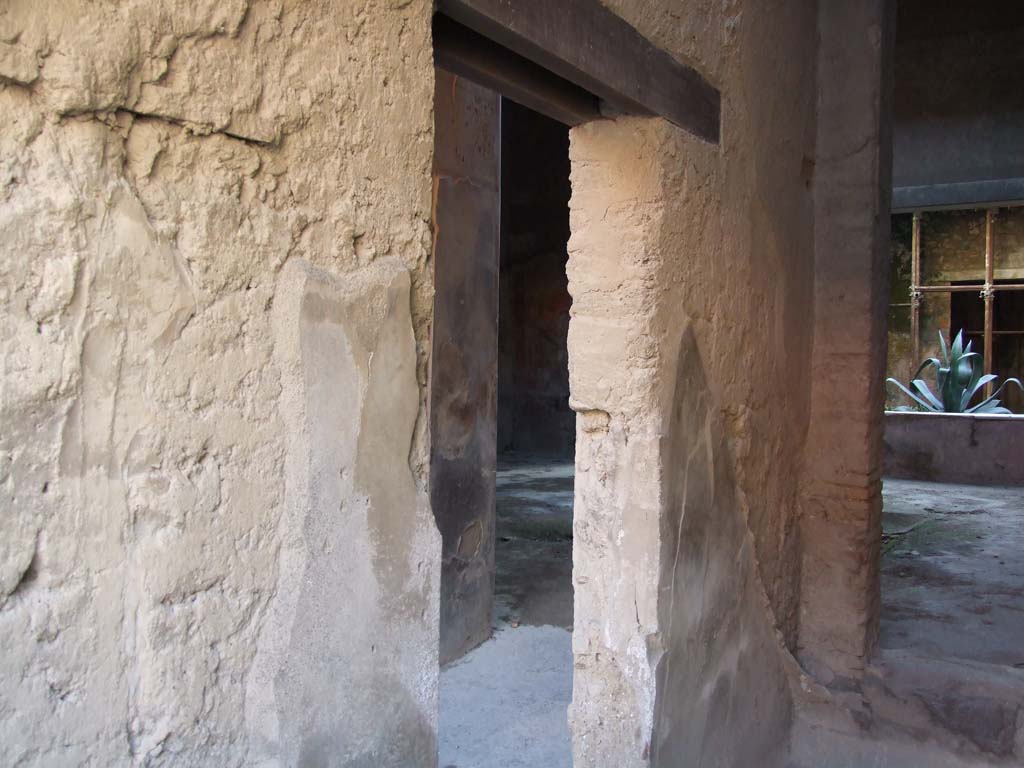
(988, 294)
(464, 354)
(915, 293)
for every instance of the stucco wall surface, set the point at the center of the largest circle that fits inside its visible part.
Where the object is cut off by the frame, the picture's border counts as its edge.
(214, 244)
(691, 273)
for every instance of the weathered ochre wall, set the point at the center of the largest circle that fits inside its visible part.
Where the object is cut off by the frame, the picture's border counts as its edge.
(215, 544)
(691, 273)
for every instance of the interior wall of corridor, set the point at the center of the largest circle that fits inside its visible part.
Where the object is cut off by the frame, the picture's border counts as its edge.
(217, 545)
(958, 113)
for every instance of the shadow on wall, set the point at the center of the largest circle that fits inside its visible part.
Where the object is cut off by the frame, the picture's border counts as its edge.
(718, 636)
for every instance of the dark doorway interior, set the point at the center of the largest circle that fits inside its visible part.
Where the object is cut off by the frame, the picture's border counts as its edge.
(536, 428)
(533, 321)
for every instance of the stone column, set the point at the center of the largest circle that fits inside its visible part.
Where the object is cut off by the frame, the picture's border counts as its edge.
(841, 498)
(464, 367)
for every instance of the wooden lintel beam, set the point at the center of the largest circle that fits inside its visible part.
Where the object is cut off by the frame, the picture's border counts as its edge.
(586, 44)
(463, 52)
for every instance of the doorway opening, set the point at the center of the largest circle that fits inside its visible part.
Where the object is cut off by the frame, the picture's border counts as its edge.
(536, 428)
(506, 680)
(575, 64)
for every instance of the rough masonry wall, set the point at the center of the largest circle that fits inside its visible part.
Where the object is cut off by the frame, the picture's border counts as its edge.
(691, 276)
(953, 250)
(214, 243)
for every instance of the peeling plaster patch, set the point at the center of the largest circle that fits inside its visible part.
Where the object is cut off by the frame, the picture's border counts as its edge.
(359, 557)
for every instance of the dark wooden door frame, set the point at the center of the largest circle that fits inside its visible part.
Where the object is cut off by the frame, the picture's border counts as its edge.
(564, 57)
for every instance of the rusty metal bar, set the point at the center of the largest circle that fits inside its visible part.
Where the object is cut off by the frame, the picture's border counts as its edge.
(996, 288)
(915, 289)
(949, 288)
(988, 295)
(988, 292)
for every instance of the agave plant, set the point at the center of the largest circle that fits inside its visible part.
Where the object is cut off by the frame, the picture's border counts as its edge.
(958, 378)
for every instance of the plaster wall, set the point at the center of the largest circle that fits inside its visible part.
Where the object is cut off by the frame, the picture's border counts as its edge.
(691, 275)
(215, 542)
(217, 546)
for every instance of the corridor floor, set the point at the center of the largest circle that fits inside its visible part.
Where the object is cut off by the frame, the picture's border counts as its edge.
(953, 572)
(949, 668)
(950, 662)
(503, 705)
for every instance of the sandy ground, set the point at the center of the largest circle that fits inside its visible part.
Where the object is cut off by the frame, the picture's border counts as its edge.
(503, 705)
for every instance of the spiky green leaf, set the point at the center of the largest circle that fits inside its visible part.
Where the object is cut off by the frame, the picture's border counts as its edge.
(911, 395)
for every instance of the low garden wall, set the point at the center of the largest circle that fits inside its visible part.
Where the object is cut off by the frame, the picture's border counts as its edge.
(955, 448)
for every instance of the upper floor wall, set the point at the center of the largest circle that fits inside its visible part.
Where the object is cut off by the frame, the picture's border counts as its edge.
(959, 103)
